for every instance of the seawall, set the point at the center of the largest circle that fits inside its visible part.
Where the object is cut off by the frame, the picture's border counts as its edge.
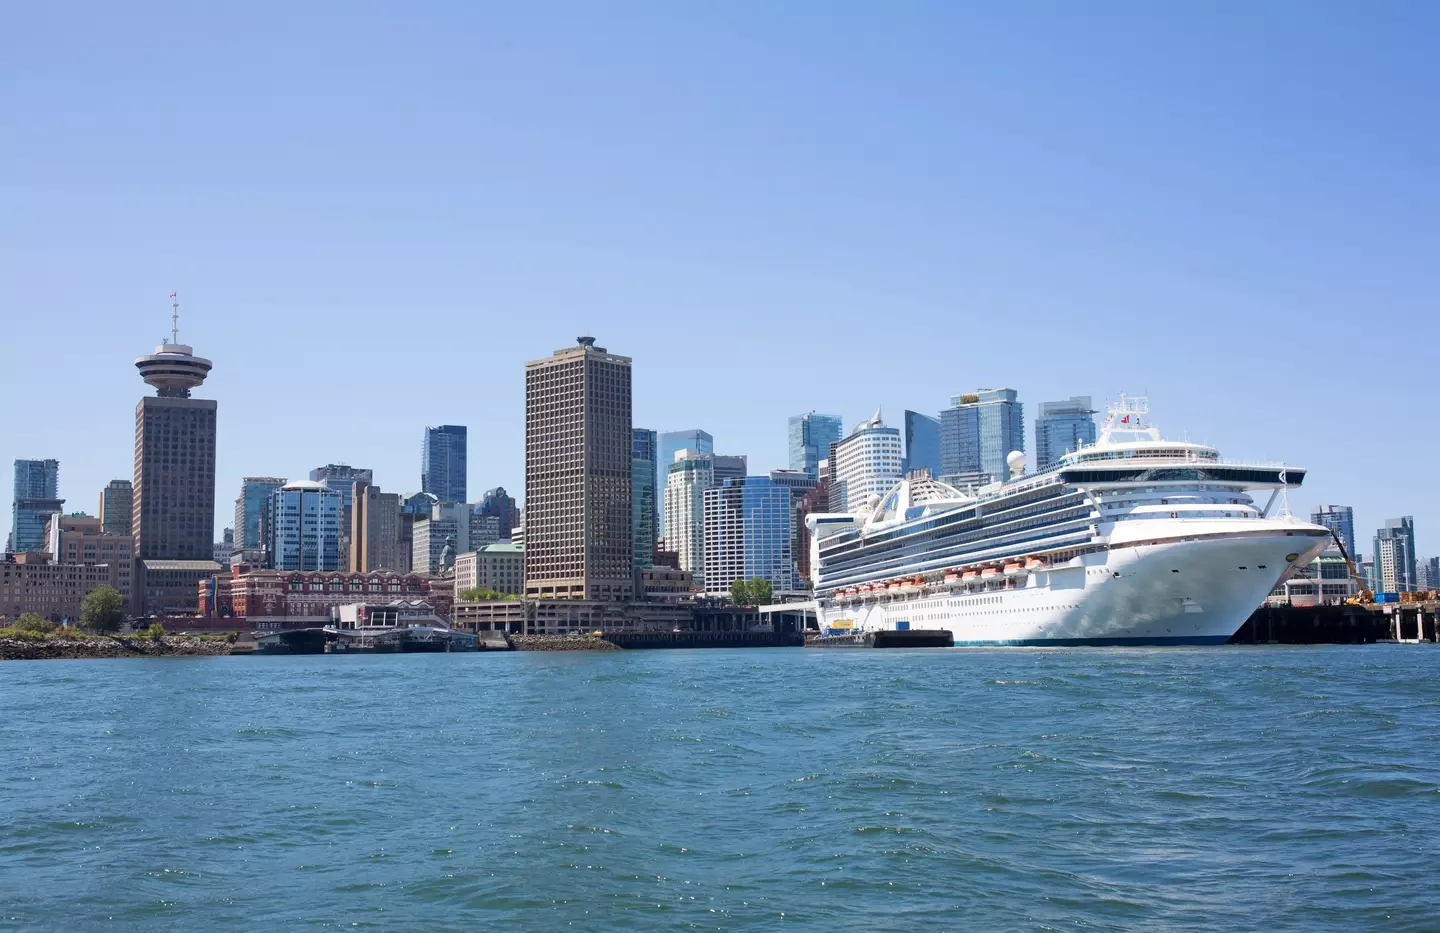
(105, 646)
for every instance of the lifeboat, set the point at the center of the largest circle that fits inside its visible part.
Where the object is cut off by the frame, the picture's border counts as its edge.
(1034, 563)
(989, 573)
(863, 590)
(1014, 568)
(911, 585)
(970, 576)
(894, 586)
(952, 577)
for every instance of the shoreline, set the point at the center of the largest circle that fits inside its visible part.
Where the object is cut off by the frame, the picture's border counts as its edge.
(53, 648)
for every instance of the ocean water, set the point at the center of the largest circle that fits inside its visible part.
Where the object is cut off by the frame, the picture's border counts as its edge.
(1239, 788)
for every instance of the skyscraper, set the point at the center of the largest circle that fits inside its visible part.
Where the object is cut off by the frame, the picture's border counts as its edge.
(671, 442)
(1395, 554)
(866, 463)
(979, 430)
(305, 523)
(811, 435)
(1062, 427)
(36, 498)
(374, 530)
(686, 479)
(499, 503)
(442, 462)
(174, 502)
(749, 530)
(729, 466)
(579, 540)
(342, 478)
(922, 443)
(250, 507)
(1341, 520)
(643, 499)
(117, 501)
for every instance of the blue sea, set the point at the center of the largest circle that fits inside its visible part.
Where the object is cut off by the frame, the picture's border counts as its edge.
(1233, 788)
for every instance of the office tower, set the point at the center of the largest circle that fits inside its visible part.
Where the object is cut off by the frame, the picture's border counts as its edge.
(250, 508)
(447, 525)
(643, 499)
(414, 508)
(1394, 555)
(1432, 573)
(442, 462)
(482, 530)
(579, 541)
(1062, 427)
(80, 539)
(922, 443)
(749, 530)
(174, 503)
(342, 478)
(867, 463)
(811, 435)
(960, 442)
(979, 431)
(499, 503)
(1341, 520)
(374, 530)
(36, 498)
(686, 480)
(305, 523)
(729, 467)
(117, 501)
(671, 442)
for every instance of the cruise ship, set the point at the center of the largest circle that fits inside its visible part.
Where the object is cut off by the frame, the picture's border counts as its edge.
(1133, 540)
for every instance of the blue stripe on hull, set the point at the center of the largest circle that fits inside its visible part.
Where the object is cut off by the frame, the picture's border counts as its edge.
(1096, 642)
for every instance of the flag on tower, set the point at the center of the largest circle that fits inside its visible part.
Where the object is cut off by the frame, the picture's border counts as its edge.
(172, 294)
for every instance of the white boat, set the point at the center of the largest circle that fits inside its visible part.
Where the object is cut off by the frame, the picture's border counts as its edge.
(1132, 540)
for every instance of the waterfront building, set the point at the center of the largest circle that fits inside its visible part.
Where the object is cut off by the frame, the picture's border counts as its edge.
(644, 501)
(579, 540)
(1341, 520)
(922, 443)
(865, 464)
(251, 506)
(1394, 555)
(117, 501)
(749, 531)
(667, 584)
(730, 467)
(811, 435)
(502, 505)
(979, 430)
(374, 530)
(499, 567)
(691, 473)
(276, 599)
(1325, 581)
(37, 582)
(443, 469)
(671, 442)
(305, 527)
(1062, 427)
(171, 587)
(35, 499)
(81, 539)
(174, 500)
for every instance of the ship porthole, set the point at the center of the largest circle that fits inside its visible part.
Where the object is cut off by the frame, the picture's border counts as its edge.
(1292, 557)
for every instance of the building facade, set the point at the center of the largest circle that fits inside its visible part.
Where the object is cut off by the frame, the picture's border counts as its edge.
(36, 582)
(749, 531)
(979, 431)
(374, 530)
(1394, 555)
(443, 467)
(811, 435)
(867, 463)
(305, 526)
(1061, 427)
(688, 477)
(579, 539)
(644, 495)
(671, 442)
(35, 500)
(342, 478)
(80, 539)
(499, 567)
(117, 501)
(922, 443)
(502, 505)
(729, 466)
(250, 508)
(170, 587)
(1340, 519)
(278, 599)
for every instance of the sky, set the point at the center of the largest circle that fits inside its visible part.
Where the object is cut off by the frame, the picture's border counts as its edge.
(375, 213)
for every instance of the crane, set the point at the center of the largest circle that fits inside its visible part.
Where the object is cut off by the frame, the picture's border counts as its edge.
(1363, 593)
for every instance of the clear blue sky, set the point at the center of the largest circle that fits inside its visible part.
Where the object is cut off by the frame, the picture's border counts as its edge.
(375, 213)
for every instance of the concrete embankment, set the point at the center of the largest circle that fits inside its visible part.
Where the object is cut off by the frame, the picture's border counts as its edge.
(561, 643)
(121, 646)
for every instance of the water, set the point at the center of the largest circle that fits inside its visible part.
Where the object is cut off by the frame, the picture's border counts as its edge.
(1006, 789)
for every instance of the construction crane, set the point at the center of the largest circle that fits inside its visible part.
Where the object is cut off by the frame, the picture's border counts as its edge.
(1363, 593)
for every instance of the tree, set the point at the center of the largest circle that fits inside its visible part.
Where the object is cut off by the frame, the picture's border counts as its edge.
(156, 630)
(102, 610)
(753, 592)
(34, 623)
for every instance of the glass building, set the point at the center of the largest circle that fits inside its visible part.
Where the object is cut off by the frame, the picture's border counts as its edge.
(1341, 520)
(922, 443)
(671, 443)
(502, 505)
(1394, 555)
(36, 498)
(979, 430)
(305, 525)
(442, 462)
(253, 501)
(867, 463)
(644, 504)
(750, 531)
(1062, 427)
(811, 435)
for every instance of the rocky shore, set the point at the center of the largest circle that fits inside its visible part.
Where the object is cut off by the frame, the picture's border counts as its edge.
(561, 643)
(105, 646)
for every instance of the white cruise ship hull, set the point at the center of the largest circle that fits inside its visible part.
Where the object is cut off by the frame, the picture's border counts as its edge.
(1181, 592)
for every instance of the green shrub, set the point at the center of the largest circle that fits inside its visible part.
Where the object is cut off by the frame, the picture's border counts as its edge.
(156, 630)
(33, 622)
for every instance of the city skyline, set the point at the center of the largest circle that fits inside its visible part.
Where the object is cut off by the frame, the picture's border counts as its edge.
(1208, 192)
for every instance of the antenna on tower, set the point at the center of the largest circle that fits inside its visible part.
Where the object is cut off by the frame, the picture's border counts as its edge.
(174, 319)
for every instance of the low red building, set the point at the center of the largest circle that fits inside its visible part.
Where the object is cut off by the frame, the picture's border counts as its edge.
(287, 598)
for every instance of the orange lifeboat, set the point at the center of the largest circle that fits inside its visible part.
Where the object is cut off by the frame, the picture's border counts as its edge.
(894, 586)
(952, 577)
(1014, 568)
(989, 573)
(970, 576)
(1034, 563)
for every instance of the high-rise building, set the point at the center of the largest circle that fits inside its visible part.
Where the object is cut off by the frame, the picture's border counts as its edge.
(374, 530)
(117, 501)
(442, 462)
(174, 503)
(730, 467)
(1062, 427)
(499, 503)
(305, 524)
(579, 540)
(643, 501)
(922, 443)
(251, 507)
(670, 442)
(36, 499)
(979, 430)
(414, 507)
(686, 480)
(1340, 519)
(1432, 573)
(749, 530)
(866, 463)
(342, 478)
(1394, 555)
(811, 435)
